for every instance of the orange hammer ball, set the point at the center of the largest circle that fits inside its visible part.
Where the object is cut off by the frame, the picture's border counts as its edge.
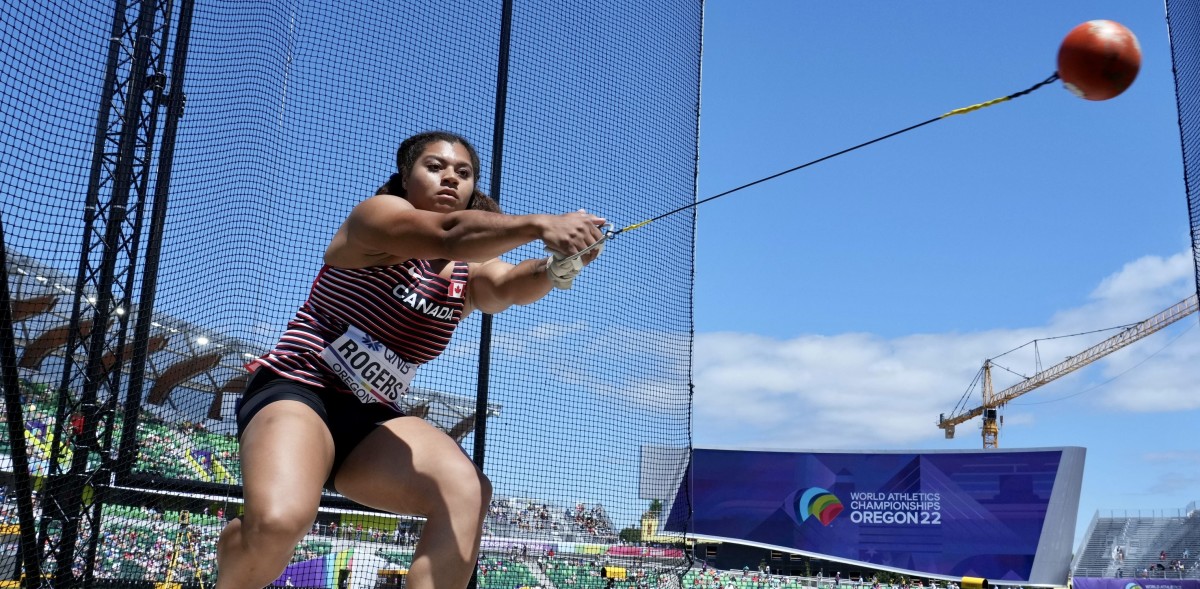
(1099, 59)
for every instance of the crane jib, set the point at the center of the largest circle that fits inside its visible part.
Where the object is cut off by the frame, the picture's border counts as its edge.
(1126, 337)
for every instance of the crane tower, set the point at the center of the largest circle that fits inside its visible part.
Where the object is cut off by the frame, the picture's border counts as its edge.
(993, 401)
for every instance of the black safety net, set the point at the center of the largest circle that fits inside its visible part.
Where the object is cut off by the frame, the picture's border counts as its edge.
(1183, 21)
(171, 173)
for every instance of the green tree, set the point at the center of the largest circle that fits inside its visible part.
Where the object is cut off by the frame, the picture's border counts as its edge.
(631, 535)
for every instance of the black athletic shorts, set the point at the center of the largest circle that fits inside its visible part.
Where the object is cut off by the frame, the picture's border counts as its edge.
(348, 419)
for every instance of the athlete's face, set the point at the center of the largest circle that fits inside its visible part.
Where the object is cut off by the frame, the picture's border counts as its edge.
(442, 179)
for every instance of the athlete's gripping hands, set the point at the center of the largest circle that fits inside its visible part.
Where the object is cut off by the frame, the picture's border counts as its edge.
(322, 409)
(563, 268)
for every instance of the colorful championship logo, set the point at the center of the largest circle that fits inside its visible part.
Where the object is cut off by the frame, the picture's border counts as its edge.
(819, 503)
(1132, 586)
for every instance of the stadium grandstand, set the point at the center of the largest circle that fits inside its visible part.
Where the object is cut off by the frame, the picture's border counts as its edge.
(568, 548)
(186, 360)
(1152, 544)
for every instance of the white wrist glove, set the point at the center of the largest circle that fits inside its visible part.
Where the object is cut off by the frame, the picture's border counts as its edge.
(562, 270)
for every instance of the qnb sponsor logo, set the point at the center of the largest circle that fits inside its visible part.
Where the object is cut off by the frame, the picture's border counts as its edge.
(819, 503)
(419, 303)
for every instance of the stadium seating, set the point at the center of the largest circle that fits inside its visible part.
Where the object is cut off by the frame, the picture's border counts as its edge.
(1141, 544)
(498, 573)
(527, 518)
(141, 544)
(182, 451)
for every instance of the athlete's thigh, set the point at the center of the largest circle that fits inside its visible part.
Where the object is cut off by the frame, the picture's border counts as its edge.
(286, 453)
(406, 466)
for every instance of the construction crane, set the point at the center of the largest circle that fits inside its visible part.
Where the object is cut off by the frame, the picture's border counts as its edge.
(993, 401)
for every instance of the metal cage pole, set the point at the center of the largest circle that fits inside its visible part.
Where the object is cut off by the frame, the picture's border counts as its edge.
(27, 565)
(485, 327)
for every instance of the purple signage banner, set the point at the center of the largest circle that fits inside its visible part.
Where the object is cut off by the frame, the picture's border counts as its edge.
(954, 514)
(1127, 583)
(308, 573)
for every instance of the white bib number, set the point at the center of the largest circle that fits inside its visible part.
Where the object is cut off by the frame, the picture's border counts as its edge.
(374, 372)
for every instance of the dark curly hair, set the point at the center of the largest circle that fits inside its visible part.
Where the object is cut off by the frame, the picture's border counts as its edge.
(412, 148)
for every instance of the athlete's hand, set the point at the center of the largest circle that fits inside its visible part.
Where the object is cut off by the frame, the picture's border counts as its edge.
(568, 234)
(593, 253)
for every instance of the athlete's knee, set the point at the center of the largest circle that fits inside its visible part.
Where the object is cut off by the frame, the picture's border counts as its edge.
(248, 558)
(470, 491)
(483, 486)
(276, 527)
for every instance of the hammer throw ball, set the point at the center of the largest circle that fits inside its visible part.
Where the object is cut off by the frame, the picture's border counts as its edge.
(1099, 59)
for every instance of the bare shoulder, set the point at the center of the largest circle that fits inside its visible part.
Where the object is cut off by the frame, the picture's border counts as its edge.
(381, 204)
(349, 249)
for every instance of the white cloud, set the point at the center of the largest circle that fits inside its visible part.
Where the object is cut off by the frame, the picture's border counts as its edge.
(861, 390)
(1141, 288)
(1158, 375)
(1148, 276)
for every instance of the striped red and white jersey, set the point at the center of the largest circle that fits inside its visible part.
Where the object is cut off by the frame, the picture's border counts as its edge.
(407, 307)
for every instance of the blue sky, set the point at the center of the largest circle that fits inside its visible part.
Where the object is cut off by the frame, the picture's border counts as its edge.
(847, 305)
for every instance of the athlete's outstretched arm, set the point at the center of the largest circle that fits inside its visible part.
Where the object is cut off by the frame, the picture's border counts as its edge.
(496, 285)
(389, 225)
